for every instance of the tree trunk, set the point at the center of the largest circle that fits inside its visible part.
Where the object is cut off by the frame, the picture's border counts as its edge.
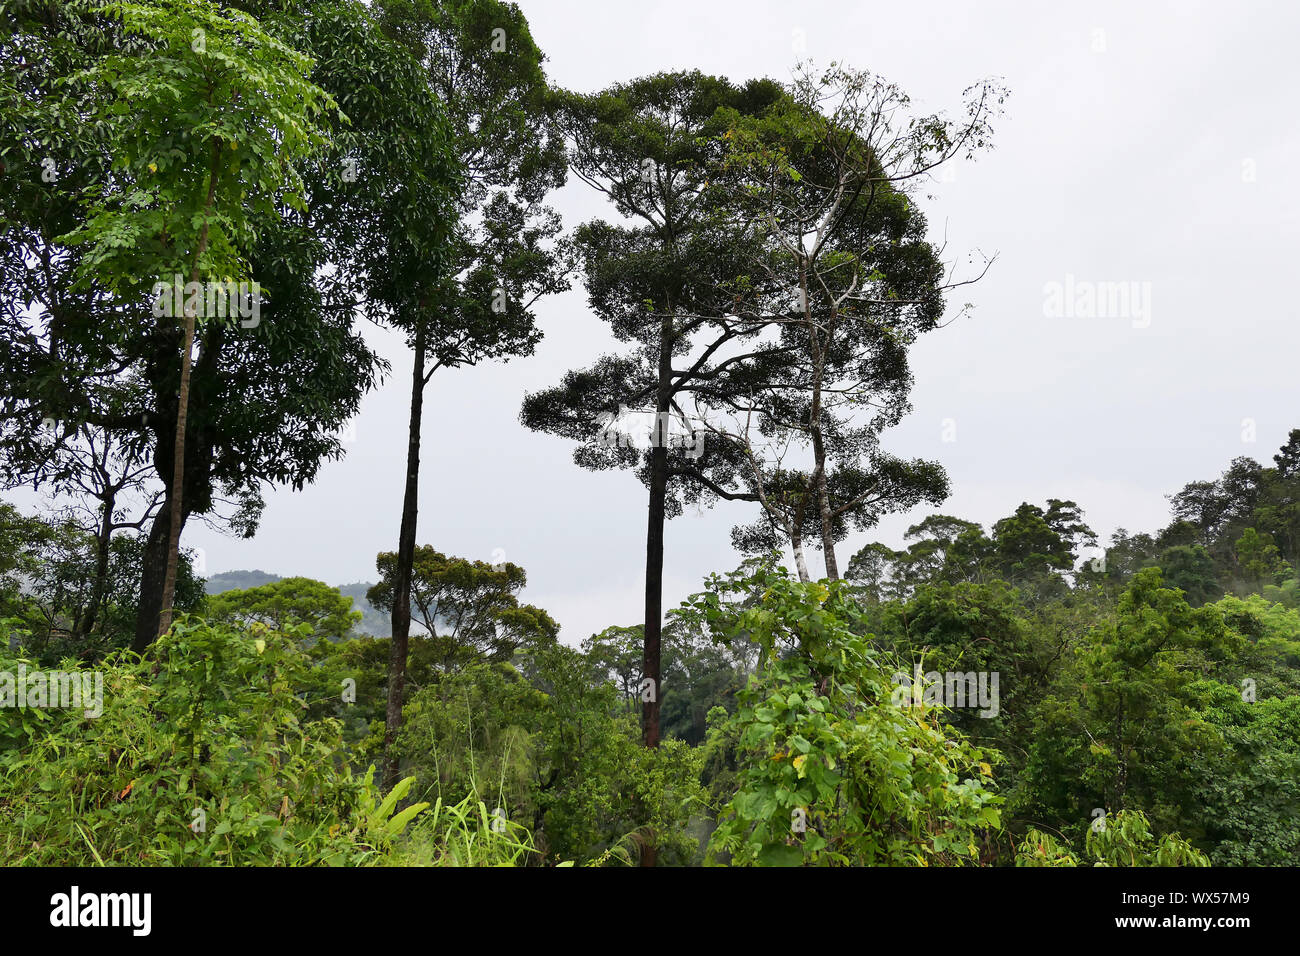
(815, 428)
(103, 539)
(796, 545)
(178, 478)
(153, 565)
(654, 560)
(401, 628)
(824, 505)
(654, 579)
(182, 412)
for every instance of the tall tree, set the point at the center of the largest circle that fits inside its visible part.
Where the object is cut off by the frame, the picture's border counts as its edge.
(481, 62)
(670, 284)
(469, 608)
(826, 181)
(1220, 510)
(189, 201)
(286, 603)
(80, 355)
(1036, 541)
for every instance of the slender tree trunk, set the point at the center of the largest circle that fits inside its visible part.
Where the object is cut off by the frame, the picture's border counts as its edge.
(824, 505)
(402, 572)
(153, 568)
(654, 561)
(182, 412)
(800, 564)
(103, 539)
(817, 354)
(654, 579)
(796, 545)
(178, 478)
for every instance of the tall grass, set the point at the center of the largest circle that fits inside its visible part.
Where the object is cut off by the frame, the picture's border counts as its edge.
(465, 834)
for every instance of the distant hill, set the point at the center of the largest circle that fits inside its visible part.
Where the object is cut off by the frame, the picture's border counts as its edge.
(238, 581)
(374, 622)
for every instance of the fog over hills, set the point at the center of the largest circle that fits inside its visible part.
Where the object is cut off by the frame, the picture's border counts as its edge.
(374, 622)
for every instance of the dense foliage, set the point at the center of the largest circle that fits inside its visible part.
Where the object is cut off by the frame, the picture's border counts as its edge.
(1130, 728)
(1016, 695)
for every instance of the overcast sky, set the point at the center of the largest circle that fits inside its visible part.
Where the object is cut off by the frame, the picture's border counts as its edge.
(1151, 144)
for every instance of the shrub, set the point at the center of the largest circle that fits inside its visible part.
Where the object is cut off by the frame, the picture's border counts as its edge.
(831, 770)
(200, 756)
(1123, 840)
